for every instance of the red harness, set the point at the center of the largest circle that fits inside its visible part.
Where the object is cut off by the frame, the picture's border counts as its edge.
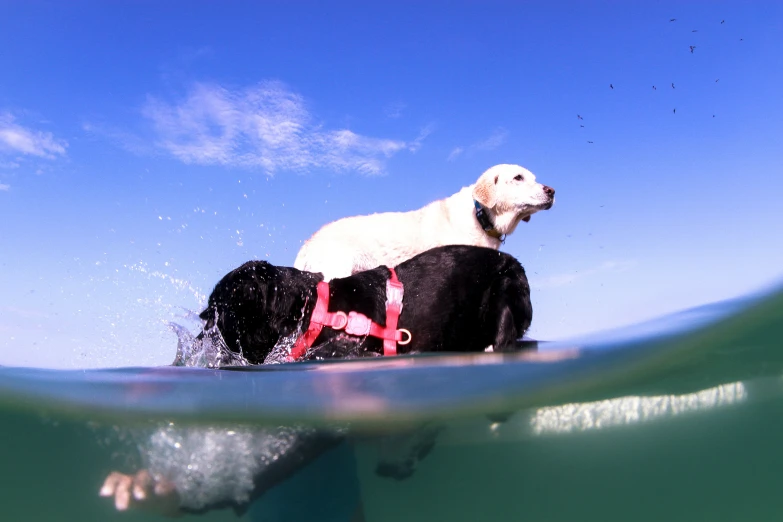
(355, 323)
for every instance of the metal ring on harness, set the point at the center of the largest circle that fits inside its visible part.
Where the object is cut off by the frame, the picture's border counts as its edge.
(343, 320)
(406, 341)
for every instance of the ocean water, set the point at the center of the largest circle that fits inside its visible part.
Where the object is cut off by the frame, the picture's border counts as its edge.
(677, 419)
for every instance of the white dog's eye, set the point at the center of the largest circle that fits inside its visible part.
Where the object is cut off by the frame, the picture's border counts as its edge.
(518, 177)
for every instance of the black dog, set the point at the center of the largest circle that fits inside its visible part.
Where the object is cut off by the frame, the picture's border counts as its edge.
(457, 299)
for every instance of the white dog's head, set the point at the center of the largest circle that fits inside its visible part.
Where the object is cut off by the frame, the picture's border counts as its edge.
(511, 194)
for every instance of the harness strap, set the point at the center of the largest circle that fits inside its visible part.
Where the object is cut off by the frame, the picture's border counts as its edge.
(317, 321)
(355, 323)
(394, 293)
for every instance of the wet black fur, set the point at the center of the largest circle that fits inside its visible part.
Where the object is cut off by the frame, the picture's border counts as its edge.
(457, 299)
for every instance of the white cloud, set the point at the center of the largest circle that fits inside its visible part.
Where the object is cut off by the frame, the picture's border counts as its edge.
(495, 140)
(455, 153)
(16, 139)
(415, 145)
(4, 187)
(266, 126)
(559, 280)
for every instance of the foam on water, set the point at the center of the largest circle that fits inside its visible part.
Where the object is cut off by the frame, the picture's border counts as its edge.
(209, 465)
(212, 465)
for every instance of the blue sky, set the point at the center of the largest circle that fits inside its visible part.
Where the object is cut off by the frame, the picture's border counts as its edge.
(147, 148)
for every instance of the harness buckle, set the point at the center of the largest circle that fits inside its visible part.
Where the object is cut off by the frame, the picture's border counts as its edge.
(358, 324)
(394, 293)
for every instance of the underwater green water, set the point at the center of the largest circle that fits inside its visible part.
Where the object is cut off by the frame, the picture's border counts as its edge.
(679, 420)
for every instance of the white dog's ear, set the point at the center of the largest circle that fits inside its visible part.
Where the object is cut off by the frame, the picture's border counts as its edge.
(485, 191)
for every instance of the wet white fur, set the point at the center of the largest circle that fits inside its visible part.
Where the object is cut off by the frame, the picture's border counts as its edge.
(352, 244)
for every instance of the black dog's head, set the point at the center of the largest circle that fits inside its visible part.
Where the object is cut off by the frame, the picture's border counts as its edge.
(256, 304)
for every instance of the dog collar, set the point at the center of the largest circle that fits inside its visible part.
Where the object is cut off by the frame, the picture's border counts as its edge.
(355, 323)
(486, 224)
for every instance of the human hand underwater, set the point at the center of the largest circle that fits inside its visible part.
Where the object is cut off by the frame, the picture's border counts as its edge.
(141, 491)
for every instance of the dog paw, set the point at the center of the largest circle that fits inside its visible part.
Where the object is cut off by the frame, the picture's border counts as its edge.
(143, 491)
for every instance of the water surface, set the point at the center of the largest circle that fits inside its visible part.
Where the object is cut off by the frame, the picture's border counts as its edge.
(676, 419)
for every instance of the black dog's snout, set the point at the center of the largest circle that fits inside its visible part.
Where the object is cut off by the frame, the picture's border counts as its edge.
(549, 191)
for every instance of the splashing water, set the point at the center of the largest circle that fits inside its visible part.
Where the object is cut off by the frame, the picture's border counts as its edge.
(209, 350)
(206, 464)
(206, 350)
(177, 283)
(212, 464)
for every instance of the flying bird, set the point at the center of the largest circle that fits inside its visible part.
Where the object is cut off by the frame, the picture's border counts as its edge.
(672, 19)
(611, 86)
(579, 117)
(692, 48)
(695, 31)
(716, 81)
(672, 85)
(674, 111)
(654, 88)
(722, 21)
(589, 141)
(582, 126)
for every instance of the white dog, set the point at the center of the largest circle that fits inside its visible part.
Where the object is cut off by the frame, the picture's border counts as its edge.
(481, 214)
